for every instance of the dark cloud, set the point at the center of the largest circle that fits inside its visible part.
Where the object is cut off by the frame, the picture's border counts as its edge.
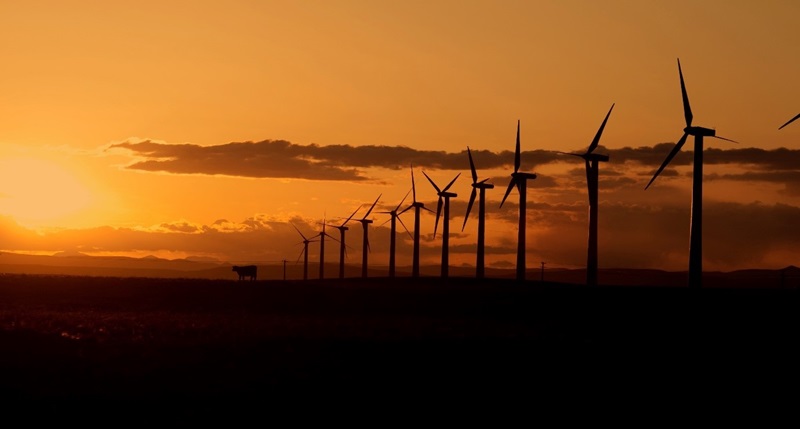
(282, 159)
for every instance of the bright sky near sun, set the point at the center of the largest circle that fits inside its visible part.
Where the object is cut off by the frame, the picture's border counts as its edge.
(82, 76)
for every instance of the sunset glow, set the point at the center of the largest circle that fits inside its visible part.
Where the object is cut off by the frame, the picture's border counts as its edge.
(203, 128)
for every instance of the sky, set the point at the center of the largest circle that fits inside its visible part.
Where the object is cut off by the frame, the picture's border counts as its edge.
(212, 129)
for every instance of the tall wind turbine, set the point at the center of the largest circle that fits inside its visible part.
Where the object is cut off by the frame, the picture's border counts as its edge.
(304, 253)
(696, 222)
(365, 245)
(444, 199)
(395, 216)
(417, 206)
(790, 121)
(482, 186)
(520, 181)
(592, 161)
(342, 251)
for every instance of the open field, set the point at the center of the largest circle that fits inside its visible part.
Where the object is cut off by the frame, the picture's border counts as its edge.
(190, 345)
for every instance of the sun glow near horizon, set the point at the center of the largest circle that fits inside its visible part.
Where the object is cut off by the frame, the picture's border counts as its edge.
(38, 192)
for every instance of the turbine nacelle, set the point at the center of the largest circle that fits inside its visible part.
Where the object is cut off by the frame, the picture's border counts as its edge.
(483, 185)
(700, 131)
(522, 176)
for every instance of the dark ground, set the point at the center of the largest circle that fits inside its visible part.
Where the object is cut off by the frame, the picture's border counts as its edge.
(195, 350)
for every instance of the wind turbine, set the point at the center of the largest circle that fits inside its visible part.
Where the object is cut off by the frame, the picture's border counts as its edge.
(304, 253)
(520, 180)
(790, 121)
(342, 251)
(322, 236)
(417, 206)
(482, 186)
(395, 216)
(696, 222)
(365, 245)
(444, 196)
(592, 161)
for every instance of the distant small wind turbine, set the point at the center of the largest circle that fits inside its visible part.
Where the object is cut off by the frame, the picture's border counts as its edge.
(696, 222)
(592, 179)
(417, 206)
(322, 234)
(342, 247)
(304, 253)
(790, 121)
(444, 200)
(395, 216)
(365, 245)
(482, 186)
(520, 180)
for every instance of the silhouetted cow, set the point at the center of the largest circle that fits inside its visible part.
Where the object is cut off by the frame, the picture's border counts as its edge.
(246, 271)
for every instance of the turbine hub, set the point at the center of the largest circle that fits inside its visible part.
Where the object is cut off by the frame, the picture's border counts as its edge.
(595, 157)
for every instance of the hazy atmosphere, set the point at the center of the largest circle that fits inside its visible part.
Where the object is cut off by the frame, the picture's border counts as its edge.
(207, 129)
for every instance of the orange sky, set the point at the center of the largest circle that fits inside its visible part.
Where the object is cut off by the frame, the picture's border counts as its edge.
(87, 87)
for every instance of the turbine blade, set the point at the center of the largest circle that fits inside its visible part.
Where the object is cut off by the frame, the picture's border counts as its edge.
(517, 152)
(386, 221)
(451, 182)
(723, 138)
(434, 185)
(298, 231)
(413, 188)
(402, 201)
(351, 216)
(508, 191)
(438, 213)
(425, 208)
(405, 209)
(591, 182)
(469, 206)
(372, 206)
(579, 155)
(588, 174)
(687, 110)
(404, 227)
(671, 155)
(596, 140)
(472, 166)
(790, 121)
(300, 256)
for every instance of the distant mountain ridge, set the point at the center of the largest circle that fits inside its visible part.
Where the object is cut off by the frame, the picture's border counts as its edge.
(79, 264)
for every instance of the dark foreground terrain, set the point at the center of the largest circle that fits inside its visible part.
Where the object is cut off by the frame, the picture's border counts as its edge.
(193, 349)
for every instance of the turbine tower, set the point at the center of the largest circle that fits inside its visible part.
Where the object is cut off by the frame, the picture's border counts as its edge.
(395, 216)
(482, 186)
(342, 250)
(417, 206)
(304, 253)
(444, 196)
(365, 245)
(592, 161)
(790, 121)
(696, 222)
(520, 180)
